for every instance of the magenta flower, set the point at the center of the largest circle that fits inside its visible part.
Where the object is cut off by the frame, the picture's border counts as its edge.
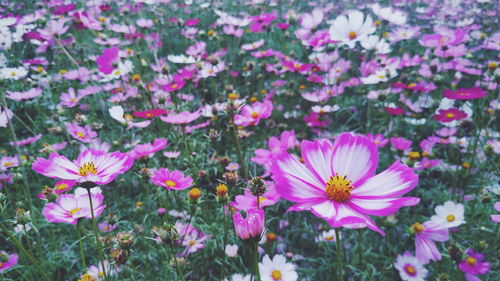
(106, 60)
(337, 182)
(426, 163)
(106, 227)
(473, 265)
(147, 149)
(248, 201)
(449, 115)
(68, 208)
(250, 115)
(26, 95)
(465, 94)
(410, 268)
(7, 261)
(91, 165)
(401, 143)
(264, 157)
(251, 226)
(496, 218)
(70, 99)
(425, 235)
(83, 134)
(8, 162)
(171, 180)
(26, 141)
(378, 139)
(181, 118)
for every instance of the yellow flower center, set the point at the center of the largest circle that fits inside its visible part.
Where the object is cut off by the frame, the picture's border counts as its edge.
(80, 135)
(61, 186)
(410, 269)
(174, 86)
(100, 274)
(170, 183)
(1, 264)
(261, 199)
(352, 35)
(450, 218)
(7, 164)
(72, 212)
(417, 227)
(471, 261)
(255, 115)
(339, 188)
(191, 243)
(276, 274)
(450, 115)
(411, 85)
(328, 238)
(87, 168)
(13, 74)
(86, 277)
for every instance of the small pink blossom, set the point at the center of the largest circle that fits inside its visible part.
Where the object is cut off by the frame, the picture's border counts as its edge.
(171, 180)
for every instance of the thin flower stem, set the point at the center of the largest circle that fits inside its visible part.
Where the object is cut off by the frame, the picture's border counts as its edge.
(338, 242)
(96, 233)
(25, 253)
(176, 262)
(80, 243)
(224, 243)
(256, 261)
(241, 160)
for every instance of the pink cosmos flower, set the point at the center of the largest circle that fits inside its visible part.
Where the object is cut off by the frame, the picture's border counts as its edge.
(171, 180)
(26, 141)
(193, 241)
(5, 116)
(70, 99)
(252, 46)
(7, 261)
(263, 157)
(448, 115)
(378, 139)
(8, 162)
(6, 178)
(465, 94)
(251, 226)
(106, 60)
(106, 227)
(91, 165)
(496, 218)
(248, 201)
(250, 115)
(312, 20)
(83, 134)
(150, 113)
(410, 268)
(337, 182)
(473, 265)
(181, 118)
(401, 143)
(147, 149)
(26, 95)
(427, 163)
(68, 208)
(425, 235)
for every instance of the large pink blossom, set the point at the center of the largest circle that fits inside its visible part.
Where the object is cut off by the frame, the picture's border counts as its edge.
(337, 182)
(264, 157)
(181, 118)
(91, 165)
(106, 60)
(68, 208)
(250, 115)
(171, 179)
(473, 265)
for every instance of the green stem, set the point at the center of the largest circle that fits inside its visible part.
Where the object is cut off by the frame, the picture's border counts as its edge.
(25, 253)
(96, 233)
(176, 262)
(256, 260)
(80, 243)
(241, 160)
(338, 242)
(224, 243)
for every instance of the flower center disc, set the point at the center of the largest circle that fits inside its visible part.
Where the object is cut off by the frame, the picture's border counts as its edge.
(86, 168)
(352, 35)
(170, 183)
(276, 275)
(450, 218)
(470, 261)
(410, 270)
(339, 188)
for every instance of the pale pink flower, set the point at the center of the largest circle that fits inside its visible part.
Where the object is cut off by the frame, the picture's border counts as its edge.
(68, 208)
(83, 134)
(250, 115)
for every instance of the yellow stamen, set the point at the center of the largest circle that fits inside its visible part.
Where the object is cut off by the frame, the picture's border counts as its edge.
(328, 238)
(86, 168)
(352, 35)
(255, 115)
(170, 183)
(339, 188)
(61, 186)
(80, 135)
(7, 164)
(417, 227)
(450, 115)
(471, 261)
(410, 269)
(450, 218)
(191, 243)
(276, 275)
(72, 212)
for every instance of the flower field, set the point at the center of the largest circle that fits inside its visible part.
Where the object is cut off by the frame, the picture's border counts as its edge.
(249, 140)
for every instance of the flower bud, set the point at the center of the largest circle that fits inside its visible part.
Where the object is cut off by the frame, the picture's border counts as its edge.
(125, 240)
(257, 186)
(119, 256)
(167, 233)
(251, 226)
(194, 194)
(221, 191)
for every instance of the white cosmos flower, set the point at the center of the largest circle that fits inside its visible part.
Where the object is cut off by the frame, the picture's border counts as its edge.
(410, 268)
(450, 214)
(389, 14)
(14, 73)
(181, 59)
(351, 28)
(239, 277)
(373, 42)
(277, 269)
(5, 116)
(117, 113)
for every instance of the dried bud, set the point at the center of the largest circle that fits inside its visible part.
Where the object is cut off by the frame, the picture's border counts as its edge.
(167, 233)
(119, 256)
(455, 253)
(224, 161)
(125, 240)
(443, 277)
(257, 186)
(22, 216)
(230, 177)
